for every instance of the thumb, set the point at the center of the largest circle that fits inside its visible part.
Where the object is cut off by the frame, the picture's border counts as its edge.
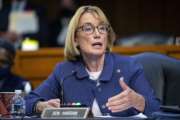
(123, 85)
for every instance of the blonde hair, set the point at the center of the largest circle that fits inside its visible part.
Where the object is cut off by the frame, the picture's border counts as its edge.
(71, 51)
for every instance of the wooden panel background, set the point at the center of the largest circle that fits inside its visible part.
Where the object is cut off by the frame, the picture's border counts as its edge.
(37, 65)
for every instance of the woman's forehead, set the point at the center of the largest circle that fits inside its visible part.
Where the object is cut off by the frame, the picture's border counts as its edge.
(90, 17)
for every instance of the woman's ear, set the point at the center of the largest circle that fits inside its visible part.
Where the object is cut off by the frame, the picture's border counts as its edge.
(76, 42)
(75, 39)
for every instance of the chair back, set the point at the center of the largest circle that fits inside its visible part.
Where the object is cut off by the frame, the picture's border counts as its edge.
(163, 73)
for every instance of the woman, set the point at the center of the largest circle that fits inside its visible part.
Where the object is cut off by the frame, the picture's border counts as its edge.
(92, 75)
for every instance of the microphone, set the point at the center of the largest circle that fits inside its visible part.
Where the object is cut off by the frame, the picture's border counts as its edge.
(62, 92)
(62, 87)
(62, 104)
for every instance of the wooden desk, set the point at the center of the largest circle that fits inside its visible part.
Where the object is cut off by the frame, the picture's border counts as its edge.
(37, 65)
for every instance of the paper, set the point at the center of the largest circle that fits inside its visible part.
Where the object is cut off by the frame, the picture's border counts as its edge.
(140, 115)
(23, 22)
(104, 116)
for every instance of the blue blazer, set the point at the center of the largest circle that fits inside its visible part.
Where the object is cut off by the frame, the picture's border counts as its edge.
(70, 82)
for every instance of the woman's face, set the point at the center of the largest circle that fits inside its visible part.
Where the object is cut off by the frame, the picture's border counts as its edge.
(91, 35)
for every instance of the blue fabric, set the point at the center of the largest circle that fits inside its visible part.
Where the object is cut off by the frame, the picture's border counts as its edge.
(72, 77)
(12, 82)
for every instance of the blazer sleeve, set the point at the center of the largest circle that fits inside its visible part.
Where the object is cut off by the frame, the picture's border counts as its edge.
(49, 89)
(142, 86)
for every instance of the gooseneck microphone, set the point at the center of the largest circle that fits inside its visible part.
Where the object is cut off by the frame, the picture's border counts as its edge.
(62, 87)
(62, 102)
(62, 92)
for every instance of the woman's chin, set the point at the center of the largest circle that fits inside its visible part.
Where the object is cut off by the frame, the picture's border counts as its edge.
(97, 53)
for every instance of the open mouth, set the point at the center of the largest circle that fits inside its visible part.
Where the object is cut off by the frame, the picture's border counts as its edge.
(97, 44)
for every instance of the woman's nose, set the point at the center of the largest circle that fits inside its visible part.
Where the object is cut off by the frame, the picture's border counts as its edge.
(96, 31)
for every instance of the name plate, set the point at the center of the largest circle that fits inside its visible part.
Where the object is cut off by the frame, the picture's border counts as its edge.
(65, 113)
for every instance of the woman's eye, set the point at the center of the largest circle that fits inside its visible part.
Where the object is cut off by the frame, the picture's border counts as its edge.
(102, 28)
(87, 29)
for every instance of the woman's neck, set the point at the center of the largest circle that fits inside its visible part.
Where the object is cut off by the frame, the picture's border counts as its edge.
(94, 63)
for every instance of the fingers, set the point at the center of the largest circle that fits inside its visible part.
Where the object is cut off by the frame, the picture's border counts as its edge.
(119, 105)
(119, 108)
(121, 101)
(116, 102)
(123, 85)
(126, 90)
(54, 103)
(119, 96)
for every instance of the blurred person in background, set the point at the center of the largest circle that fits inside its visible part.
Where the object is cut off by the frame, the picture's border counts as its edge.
(9, 81)
(20, 19)
(58, 27)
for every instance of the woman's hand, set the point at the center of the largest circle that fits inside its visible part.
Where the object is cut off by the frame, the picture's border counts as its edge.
(126, 99)
(53, 103)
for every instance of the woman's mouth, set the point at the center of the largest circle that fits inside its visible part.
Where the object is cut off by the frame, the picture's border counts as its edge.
(97, 44)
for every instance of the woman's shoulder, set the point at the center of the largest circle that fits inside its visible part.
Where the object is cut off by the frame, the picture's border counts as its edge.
(122, 58)
(125, 60)
(65, 68)
(66, 64)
